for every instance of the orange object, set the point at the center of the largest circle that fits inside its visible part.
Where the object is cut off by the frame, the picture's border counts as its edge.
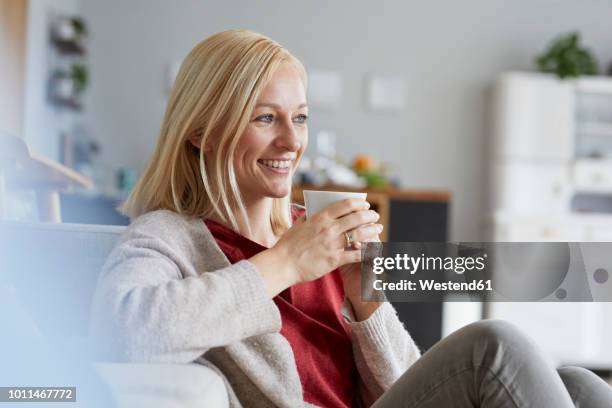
(363, 162)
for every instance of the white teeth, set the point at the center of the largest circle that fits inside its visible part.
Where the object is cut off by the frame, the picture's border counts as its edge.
(278, 164)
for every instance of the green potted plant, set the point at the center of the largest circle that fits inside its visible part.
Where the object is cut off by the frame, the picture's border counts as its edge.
(566, 58)
(80, 77)
(80, 28)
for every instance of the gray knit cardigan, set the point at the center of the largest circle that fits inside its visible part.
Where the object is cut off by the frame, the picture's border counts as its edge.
(167, 293)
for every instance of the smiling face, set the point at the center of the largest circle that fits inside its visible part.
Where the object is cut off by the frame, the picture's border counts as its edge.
(275, 138)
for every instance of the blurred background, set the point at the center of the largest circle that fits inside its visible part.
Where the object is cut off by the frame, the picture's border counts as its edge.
(464, 121)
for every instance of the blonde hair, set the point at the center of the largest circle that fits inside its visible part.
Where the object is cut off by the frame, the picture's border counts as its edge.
(214, 96)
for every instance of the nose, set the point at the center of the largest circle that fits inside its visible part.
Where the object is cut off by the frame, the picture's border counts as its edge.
(289, 138)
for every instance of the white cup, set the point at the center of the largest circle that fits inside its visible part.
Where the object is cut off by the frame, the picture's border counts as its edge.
(315, 201)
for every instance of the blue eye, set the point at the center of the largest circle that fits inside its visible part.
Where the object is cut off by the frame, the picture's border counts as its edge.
(301, 118)
(268, 118)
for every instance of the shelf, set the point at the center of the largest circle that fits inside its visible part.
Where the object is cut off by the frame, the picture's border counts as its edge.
(69, 103)
(594, 85)
(69, 47)
(569, 217)
(601, 129)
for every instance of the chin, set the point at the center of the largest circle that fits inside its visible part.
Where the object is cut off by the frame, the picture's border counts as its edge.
(279, 192)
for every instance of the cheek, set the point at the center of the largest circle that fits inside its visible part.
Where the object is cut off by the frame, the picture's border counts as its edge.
(245, 151)
(304, 142)
(241, 162)
(305, 136)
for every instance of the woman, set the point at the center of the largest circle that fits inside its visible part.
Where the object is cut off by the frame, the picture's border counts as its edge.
(217, 268)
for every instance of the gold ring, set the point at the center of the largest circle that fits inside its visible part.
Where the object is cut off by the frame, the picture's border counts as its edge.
(348, 236)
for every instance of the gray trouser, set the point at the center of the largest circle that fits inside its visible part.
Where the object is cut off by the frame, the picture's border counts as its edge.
(492, 364)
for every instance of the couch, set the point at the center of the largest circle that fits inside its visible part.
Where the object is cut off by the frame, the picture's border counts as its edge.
(48, 273)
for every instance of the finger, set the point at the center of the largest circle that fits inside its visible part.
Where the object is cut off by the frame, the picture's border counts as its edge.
(367, 233)
(350, 256)
(348, 241)
(364, 233)
(356, 219)
(344, 207)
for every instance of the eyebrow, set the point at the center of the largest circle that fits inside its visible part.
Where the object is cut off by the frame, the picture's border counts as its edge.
(276, 106)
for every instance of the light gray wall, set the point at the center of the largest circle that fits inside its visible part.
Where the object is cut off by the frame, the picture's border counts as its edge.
(450, 53)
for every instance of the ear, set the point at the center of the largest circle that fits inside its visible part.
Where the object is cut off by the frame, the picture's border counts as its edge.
(196, 139)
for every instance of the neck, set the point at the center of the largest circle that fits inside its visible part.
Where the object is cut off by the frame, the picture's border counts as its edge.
(258, 212)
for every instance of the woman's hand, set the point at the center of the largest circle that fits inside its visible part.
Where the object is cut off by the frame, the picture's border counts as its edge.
(351, 274)
(315, 246)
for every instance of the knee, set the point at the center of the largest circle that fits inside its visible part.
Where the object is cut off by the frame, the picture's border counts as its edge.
(492, 329)
(573, 375)
(499, 333)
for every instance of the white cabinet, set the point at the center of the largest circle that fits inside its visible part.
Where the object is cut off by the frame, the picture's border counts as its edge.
(569, 333)
(552, 153)
(540, 231)
(599, 234)
(552, 140)
(592, 175)
(533, 117)
(529, 187)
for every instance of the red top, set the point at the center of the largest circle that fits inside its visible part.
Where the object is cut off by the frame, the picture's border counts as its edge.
(311, 323)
